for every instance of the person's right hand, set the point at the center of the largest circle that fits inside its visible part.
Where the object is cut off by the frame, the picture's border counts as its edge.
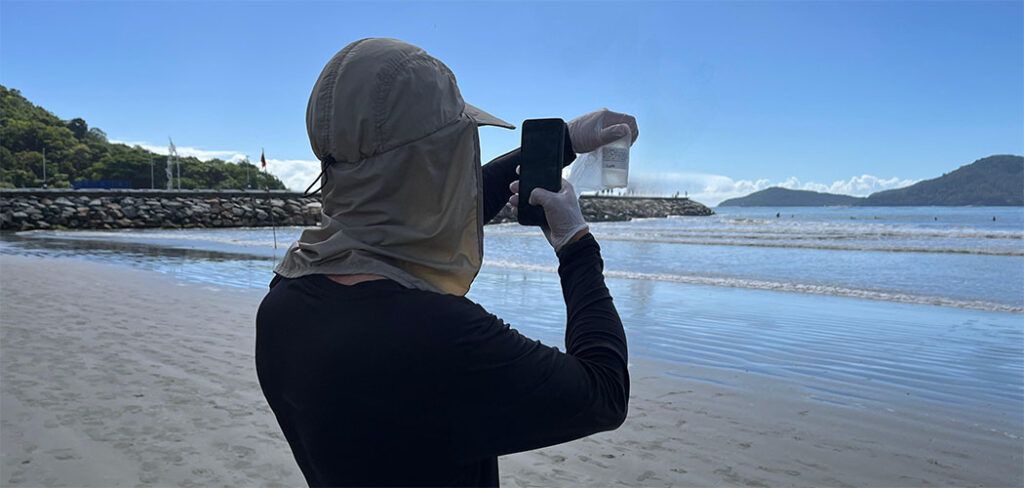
(562, 210)
(595, 129)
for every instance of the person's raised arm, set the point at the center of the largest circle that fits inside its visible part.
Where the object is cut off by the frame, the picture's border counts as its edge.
(518, 394)
(501, 171)
(584, 134)
(515, 394)
(497, 175)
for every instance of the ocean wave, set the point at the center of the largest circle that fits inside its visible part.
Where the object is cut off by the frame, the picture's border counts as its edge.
(830, 242)
(187, 235)
(827, 243)
(881, 247)
(826, 229)
(812, 289)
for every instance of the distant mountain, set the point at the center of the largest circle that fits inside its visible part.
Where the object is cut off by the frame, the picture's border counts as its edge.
(783, 197)
(992, 181)
(995, 180)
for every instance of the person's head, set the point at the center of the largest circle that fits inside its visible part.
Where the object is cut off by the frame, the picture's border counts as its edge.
(401, 159)
(377, 94)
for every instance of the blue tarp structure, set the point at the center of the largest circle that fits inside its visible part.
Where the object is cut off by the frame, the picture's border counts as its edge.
(101, 184)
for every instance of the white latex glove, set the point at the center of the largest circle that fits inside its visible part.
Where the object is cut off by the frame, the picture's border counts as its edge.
(591, 131)
(562, 210)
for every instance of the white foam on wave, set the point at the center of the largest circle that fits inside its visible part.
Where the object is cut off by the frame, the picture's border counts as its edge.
(836, 235)
(867, 230)
(795, 241)
(830, 290)
(881, 246)
(180, 235)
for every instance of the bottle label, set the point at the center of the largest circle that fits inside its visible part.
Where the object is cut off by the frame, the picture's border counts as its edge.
(615, 157)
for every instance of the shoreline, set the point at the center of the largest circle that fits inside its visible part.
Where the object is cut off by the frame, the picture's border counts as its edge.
(98, 393)
(227, 251)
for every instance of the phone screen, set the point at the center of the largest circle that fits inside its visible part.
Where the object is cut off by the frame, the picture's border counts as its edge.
(540, 164)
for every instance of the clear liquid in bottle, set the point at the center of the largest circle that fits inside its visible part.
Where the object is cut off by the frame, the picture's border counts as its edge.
(615, 163)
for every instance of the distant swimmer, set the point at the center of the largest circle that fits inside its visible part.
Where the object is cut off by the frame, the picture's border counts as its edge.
(777, 214)
(993, 219)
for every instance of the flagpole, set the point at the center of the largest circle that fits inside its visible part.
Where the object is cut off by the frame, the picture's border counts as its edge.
(171, 158)
(266, 183)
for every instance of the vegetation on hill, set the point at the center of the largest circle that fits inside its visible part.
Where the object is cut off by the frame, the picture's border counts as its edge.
(995, 180)
(74, 152)
(992, 181)
(784, 197)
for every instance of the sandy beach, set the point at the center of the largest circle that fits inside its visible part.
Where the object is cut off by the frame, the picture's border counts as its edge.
(118, 377)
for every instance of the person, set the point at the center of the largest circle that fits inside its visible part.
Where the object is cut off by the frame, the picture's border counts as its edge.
(377, 368)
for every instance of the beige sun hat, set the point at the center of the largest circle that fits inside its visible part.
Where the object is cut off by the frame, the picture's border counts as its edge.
(401, 182)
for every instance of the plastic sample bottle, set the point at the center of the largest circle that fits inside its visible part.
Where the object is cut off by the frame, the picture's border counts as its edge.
(615, 163)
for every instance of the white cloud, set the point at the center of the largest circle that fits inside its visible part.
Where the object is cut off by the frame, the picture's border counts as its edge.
(859, 186)
(711, 189)
(706, 188)
(296, 174)
(201, 154)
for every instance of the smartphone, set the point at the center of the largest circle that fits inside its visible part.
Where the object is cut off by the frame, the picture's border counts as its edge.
(540, 164)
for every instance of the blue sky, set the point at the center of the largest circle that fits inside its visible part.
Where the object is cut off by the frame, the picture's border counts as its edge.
(731, 97)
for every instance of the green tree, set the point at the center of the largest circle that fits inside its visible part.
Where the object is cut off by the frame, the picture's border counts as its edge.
(75, 151)
(78, 127)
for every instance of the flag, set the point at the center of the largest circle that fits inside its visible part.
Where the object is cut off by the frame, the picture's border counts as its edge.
(263, 160)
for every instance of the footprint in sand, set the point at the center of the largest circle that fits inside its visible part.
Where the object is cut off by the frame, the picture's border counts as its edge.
(645, 476)
(63, 454)
(245, 452)
(587, 459)
(790, 472)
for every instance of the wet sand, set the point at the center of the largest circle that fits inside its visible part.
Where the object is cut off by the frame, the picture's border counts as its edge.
(113, 377)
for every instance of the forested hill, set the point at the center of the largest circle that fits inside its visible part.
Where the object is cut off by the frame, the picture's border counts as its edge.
(784, 197)
(995, 180)
(74, 152)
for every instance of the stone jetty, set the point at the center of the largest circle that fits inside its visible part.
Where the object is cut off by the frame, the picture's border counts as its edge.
(130, 209)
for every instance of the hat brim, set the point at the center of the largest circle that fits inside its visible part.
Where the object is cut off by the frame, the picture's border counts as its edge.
(484, 118)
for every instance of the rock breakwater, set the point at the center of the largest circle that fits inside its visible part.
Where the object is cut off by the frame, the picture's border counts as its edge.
(120, 209)
(620, 209)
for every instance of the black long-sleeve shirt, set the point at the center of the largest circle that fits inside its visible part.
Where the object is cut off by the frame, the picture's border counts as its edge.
(377, 384)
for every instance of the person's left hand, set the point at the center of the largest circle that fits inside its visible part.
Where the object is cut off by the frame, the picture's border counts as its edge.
(561, 210)
(591, 131)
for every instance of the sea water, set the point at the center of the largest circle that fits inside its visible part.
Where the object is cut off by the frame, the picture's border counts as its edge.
(964, 257)
(860, 306)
